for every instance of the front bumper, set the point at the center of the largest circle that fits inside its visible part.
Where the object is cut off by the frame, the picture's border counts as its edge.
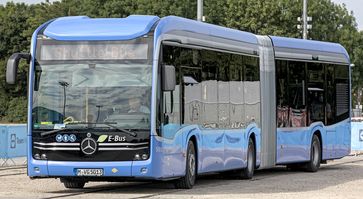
(166, 161)
(126, 169)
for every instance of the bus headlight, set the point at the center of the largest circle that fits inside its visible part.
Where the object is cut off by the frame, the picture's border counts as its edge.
(37, 156)
(137, 157)
(43, 156)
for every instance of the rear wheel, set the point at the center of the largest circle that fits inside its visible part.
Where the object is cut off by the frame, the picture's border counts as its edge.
(70, 184)
(188, 181)
(315, 155)
(247, 173)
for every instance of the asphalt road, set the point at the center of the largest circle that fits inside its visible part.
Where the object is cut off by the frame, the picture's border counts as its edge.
(339, 179)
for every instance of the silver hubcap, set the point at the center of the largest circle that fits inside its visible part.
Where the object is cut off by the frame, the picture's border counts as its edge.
(191, 165)
(315, 154)
(250, 160)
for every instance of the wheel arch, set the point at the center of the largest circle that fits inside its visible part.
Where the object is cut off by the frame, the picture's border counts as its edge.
(194, 138)
(253, 137)
(254, 134)
(319, 132)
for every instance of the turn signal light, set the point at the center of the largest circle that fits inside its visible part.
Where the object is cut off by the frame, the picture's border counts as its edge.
(143, 170)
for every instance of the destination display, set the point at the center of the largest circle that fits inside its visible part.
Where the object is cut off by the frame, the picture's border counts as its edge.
(78, 51)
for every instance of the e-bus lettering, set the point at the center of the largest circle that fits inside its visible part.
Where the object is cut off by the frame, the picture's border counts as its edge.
(116, 138)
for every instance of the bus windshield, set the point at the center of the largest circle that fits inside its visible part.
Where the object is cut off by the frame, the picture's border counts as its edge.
(92, 88)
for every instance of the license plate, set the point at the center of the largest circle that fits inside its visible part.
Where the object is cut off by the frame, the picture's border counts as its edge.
(89, 172)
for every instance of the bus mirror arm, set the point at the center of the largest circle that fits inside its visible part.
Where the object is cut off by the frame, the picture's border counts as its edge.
(168, 77)
(12, 66)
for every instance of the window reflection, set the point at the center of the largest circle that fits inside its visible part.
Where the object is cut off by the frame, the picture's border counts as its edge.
(93, 93)
(220, 90)
(322, 95)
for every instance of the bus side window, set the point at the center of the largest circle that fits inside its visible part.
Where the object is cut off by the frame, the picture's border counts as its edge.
(316, 92)
(237, 105)
(223, 90)
(297, 94)
(282, 99)
(341, 92)
(251, 82)
(209, 89)
(192, 87)
(330, 95)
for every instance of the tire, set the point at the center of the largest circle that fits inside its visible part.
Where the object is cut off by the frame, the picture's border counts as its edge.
(315, 155)
(247, 173)
(188, 181)
(69, 184)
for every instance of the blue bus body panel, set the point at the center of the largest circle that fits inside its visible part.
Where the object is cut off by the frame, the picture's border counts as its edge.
(217, 149)
(293, 144)
(173, 23)
(41, 166)
(309, 45)
(88, 29)
(224, 151)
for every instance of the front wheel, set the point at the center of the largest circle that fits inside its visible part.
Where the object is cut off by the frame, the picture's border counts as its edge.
(188, 181)
(315, 155)
(247, 173)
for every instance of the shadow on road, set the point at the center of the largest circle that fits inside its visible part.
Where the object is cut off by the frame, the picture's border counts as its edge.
(274, 180)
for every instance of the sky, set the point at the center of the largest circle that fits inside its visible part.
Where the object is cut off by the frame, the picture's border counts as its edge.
(356, 7)
(352, 5)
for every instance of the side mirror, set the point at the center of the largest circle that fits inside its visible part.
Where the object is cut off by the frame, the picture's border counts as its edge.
(168, 77)
(12, 66)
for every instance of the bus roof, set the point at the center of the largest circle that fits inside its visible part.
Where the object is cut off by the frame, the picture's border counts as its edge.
(173, 23)
(85, 28)
(309, 45)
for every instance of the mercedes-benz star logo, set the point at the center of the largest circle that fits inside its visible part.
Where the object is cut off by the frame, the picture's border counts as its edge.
(88, 146)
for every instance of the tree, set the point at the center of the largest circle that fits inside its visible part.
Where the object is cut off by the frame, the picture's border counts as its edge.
(331, 22)
(13, 21)
(357, 72)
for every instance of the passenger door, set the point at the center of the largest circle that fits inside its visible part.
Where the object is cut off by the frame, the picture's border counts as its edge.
(169, 120)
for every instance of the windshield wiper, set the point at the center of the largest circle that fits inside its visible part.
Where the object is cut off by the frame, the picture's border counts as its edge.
(105, 123)
(133, 134)
(63, 128)
(52, 131)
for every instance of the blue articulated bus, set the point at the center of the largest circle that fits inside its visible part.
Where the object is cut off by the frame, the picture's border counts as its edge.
(149, 98)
